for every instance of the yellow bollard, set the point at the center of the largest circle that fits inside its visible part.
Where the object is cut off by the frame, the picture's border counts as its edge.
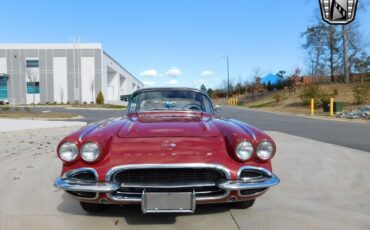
(312, 106)
(331, 106)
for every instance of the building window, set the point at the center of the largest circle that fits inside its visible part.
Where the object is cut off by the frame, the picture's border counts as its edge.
(3, 88)
(32, 63)
(33, 87)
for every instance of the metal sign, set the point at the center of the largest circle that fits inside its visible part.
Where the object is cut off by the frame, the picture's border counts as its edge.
(338, 11)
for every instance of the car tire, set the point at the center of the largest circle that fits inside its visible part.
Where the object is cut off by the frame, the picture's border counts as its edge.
(92, 207)
(243, 204)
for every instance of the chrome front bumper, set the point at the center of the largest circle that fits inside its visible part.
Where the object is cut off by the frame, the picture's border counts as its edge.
(241, 184)
(104, 187)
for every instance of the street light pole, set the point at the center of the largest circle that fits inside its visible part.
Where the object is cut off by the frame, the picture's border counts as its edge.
(228, 75)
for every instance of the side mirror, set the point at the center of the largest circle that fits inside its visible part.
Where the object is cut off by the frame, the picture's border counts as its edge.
(218, 110)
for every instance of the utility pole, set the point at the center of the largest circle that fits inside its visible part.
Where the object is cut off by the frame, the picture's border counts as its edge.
(228, 75)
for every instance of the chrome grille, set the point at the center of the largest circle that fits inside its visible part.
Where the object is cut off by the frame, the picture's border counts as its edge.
(203, 181)
(168, 175)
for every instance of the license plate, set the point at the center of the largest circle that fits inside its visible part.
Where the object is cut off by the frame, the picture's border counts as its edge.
(166, 202)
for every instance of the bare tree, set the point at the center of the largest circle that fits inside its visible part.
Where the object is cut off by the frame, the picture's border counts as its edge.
(333, 40)
(315, 43)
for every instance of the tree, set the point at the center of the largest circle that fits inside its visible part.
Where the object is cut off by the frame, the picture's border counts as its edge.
(315, 40)
(362, 65)
(345, 54)
(203, 87)
(333, 41)
(331, 49)
(294, 82)
(210, 92)
(281, 74)
(269, 86)
(259, 87)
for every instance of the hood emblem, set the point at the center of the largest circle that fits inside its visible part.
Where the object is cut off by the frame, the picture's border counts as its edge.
(168, 145)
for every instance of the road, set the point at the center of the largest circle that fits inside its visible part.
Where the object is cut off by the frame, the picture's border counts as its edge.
(345, 133)
(323, 187)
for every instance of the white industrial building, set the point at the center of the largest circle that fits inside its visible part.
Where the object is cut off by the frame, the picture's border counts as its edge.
(47, 73)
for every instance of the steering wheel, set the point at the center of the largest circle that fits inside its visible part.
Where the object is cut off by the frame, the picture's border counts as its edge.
(193, 107)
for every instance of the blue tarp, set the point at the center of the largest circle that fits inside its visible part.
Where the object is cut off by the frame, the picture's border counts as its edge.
(272, 78)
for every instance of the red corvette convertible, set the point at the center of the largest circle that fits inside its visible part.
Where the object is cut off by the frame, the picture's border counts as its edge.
(170, 152)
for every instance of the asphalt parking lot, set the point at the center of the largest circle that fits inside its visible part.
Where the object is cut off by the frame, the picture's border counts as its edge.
(323, 186)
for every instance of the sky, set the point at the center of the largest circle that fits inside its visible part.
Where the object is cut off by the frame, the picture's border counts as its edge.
(175, 42)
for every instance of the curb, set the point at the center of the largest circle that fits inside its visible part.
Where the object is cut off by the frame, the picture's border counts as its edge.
(306, 116)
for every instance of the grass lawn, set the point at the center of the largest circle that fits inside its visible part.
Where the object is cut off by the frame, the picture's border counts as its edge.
(105, 106)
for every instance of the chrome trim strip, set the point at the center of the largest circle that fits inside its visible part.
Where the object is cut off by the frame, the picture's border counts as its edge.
(70, 173)
(116, 169)
(69, 185)
(245, 128)
(79, 170)
(258, 169)
(96, 125)
(86, 131)
(243, 185)
(254, 168)
(253, 194)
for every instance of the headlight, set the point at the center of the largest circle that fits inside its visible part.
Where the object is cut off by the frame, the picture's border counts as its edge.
(68, 151)
(90, 151)
(244, 150)
(265, 150)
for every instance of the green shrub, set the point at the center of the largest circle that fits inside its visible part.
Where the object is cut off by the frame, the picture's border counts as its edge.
(324, 96)
(100, 98)
(361, 92)
(310, 91)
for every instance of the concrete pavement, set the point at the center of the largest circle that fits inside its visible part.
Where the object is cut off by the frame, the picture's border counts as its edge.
(323, 186)
(24, 124)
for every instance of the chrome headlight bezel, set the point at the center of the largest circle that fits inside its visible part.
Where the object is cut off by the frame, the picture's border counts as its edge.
(68, 151)
(265, 150)
(90, 151)
(244, 150)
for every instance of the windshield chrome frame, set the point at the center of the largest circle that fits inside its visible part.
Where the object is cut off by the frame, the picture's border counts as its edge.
(169, 89)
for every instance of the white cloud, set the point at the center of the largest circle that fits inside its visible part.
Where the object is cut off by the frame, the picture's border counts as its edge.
(149, 83)
(207, 73)
(172, 82)
(173, 72)
(149, 73)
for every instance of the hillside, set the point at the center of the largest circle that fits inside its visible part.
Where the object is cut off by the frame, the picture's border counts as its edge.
(285, 102)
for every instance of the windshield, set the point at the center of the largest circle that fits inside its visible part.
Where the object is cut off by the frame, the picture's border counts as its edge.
(164, 100)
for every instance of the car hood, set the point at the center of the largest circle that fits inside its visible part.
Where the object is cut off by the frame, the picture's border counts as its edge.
(168, 125)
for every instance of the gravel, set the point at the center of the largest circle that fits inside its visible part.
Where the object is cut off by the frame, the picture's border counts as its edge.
(360, 112)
